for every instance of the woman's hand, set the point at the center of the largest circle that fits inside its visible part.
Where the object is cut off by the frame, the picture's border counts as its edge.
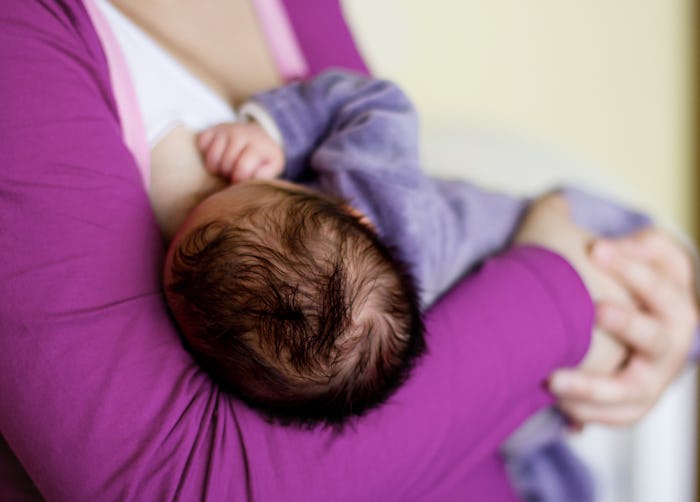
(240, 151)
(548, 224)
(658, 272)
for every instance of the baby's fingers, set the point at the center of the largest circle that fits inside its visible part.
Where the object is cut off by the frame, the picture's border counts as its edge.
(205, 138)
(266, 171)
(214, 151)
(270, 166)
(248, 161)
(230, 157)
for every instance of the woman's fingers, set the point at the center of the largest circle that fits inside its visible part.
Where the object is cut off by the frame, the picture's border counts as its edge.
(665, 253)
(650, 280)
(640, 332)
(647, 284)
(571, 385)
(658, 330)
(606, 414)
(619, 399)
(669, 255)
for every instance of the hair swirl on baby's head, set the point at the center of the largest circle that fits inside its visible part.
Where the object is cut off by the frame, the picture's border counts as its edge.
(297, 308)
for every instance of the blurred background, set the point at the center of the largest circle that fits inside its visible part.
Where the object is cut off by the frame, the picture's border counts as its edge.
(523, 95)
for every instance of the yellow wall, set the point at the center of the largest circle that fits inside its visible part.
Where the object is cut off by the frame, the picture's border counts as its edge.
(609, 82)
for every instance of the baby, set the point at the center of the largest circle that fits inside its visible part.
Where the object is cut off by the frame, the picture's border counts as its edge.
(293, 303)
(304, 298)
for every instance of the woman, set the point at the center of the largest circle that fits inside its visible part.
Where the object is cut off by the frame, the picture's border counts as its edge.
(107, 405)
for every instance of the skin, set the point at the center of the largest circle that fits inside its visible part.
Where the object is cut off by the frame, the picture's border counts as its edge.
(219, 41)
(240, 151)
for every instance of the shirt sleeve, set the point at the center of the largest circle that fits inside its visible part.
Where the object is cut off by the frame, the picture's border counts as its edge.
(105, 402)
(375, 113)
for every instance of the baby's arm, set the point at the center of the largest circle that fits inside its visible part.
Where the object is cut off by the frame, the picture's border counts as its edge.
(341, 112)
(301, 116)
(241, 151)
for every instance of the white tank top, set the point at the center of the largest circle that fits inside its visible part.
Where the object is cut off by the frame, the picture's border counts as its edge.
(168, 94)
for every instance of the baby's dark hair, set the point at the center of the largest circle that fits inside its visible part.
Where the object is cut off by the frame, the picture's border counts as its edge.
(297, 307)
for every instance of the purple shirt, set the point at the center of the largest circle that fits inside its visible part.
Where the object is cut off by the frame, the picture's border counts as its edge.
(101, 402)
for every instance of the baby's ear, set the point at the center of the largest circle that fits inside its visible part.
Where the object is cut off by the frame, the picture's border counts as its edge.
(360, 216)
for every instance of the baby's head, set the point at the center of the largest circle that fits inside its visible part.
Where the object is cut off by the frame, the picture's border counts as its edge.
(292, 303)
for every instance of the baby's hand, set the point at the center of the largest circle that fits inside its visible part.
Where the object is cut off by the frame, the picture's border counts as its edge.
(240, 152)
